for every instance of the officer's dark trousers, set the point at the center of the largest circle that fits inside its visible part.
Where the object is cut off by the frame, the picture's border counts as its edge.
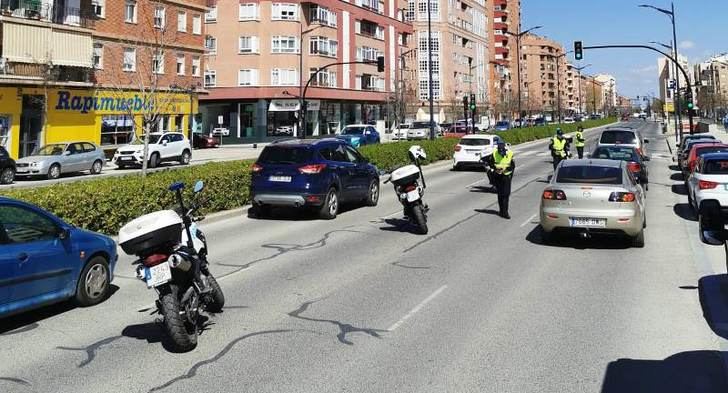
(503, 188)
(580, 151)
(557, 160)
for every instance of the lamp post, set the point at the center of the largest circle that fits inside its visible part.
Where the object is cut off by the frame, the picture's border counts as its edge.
(301, 104)
(518, 63)
(578, 71)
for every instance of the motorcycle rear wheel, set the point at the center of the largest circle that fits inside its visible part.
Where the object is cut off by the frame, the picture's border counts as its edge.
(420, 219)
(182, 333)
(217, 298)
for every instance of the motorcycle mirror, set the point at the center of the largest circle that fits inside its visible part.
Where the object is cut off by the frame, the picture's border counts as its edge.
(199, 186)
(176, 186)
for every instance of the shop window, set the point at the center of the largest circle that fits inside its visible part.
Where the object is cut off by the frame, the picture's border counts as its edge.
(179, 121)
(116, 129)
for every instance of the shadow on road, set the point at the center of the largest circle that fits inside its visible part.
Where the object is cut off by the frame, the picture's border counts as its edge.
(568, 240)
(297, 214)
(399, 225)
(487, 211)
(713, 292)
(684, 372)
(677, 176)
(684, 211)
(679, 189)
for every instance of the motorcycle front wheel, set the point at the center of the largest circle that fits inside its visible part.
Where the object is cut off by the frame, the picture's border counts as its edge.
(420, 219)
(181, 332)
(217, 298)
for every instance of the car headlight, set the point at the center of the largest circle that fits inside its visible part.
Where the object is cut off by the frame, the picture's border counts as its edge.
(34, 164)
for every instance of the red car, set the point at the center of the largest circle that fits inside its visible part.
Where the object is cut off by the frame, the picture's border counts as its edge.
(202, 141)
(698, 149)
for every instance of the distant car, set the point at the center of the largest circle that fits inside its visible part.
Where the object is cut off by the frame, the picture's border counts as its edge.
(502, 125)
(421, 130)
(54, 159)
(708, 188)
(578, 118)
(642, 115)
(202, 141)
(7, 167)
(594, 116)
(163, 147)
(284, 130)
(221, 131)
(359, 135)
(569, 120)
(319, 174)
(624, 136)
(472, 148)
(400, 133)
(635, 162)
(44, 260)
(593, 197)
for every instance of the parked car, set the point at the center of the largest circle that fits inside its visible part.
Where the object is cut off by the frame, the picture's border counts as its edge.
(688, 137)
(592, 196)
(400, 133)
(54, 159)
(221, 131)
(569, 120)
(421, 130)
(635, 162)
(682, 155)
(44, 260)
(624, 136)
(359, 135)
(471, 148)
(202, 141)
(7, 167)
(502, 125)
(284, 130)
(163, 147)
(319, 174)
(539, 122)
(696, 151)
(708, 188)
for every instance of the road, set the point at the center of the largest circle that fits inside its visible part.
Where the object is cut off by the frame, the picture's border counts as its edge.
(360, 304)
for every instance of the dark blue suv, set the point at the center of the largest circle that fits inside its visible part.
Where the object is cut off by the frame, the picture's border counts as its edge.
(320, 174)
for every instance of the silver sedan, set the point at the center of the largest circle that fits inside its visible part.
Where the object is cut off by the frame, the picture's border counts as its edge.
(593, 197)
(55, 159)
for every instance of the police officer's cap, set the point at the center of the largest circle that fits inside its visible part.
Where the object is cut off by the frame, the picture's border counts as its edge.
(559, 132)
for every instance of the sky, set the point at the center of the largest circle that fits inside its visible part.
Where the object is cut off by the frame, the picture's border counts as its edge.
(702, 31)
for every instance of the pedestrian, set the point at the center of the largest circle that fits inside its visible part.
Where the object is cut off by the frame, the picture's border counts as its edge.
(579, 144)
(558, 147)
(502, 166)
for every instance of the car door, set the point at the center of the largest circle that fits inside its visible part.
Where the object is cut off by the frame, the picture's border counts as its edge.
(345, 170)
(166, 146)
(360, 178)
(178, 145)
(91, 154)
(72, 160)
(43, 262)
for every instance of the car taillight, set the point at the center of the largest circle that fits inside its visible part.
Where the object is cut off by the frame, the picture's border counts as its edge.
(622, 197)
(312, 169)
(554, 195)
(155, 259)
(257, 168)
(633, 167)
(458, 147)
(707, 185)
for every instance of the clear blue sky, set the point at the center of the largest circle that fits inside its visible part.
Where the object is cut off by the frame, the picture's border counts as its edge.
(702, 30)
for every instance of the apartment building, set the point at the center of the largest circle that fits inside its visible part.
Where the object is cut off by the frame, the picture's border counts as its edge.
(609, 84)
(506, 17)
(712, 87)
(261, 55)
(92, 69)
(543, 71)
(593, 94)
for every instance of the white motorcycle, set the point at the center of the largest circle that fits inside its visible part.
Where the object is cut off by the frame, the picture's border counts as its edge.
(410, 192)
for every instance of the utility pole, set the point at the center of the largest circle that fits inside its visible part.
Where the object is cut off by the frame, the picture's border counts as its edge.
(429, 71)
(401, 86)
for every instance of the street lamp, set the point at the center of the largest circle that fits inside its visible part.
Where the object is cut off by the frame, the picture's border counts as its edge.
(301, 109)
(518, 62)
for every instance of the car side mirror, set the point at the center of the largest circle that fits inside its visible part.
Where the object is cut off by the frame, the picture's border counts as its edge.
(647, 141)
(67, 153)
(164, 143)
(63, 233)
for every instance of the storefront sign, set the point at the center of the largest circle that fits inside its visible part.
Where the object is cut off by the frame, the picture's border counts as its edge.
(110, 101)
(293, 105)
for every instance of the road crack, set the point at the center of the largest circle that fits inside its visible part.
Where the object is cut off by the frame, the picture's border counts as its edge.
(91, 350)
(344, 328)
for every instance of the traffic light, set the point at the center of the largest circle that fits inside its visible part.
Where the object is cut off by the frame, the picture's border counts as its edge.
(465, 105)
(380, 64)
(472, 102)
(578, 50)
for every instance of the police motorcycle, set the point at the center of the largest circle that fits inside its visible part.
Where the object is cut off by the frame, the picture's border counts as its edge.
(172, 259)
(409, 191)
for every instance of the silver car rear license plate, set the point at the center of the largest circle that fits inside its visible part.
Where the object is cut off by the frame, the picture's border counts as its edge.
(588, 222)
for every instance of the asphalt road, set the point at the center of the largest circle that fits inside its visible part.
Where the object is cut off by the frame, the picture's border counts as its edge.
(361, 304)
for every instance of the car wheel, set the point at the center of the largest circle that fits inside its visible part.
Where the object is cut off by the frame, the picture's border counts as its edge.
(96, 167)
(373, 194)
(186, 156)
(639, 240)
(54, 172)
(7, 176)
(154, 160)
(93, 283)
(120, 166)
(330, 208)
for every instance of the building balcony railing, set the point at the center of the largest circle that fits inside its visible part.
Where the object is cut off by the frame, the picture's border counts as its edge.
(54, 13)
(43, 73)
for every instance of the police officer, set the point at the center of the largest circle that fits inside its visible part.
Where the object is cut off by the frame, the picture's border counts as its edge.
(558, 147)
(579, 143)
(502, 166)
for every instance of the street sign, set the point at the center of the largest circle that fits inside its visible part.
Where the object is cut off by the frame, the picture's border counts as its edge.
(220, 119)
(668, 107)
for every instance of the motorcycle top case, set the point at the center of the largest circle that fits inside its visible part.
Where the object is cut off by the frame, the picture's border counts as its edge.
(149, 232)
(405, 175)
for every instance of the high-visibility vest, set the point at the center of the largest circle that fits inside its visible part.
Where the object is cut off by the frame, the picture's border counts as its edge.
(503, 162)
(579, 139)
(559, 146)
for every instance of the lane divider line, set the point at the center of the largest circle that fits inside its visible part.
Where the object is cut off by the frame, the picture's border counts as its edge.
(417, 309)
(529, 220)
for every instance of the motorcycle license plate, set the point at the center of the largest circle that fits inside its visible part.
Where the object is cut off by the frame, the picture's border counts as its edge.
(413, 196)
(157, 275)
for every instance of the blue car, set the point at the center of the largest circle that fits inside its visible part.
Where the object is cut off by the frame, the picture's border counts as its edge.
(359, 135)
(44, 260)
(502, 126)
(318, 174)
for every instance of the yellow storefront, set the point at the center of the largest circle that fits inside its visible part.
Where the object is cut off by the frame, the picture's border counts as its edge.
(108, 118)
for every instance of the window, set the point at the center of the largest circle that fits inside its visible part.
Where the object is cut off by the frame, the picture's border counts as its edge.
(160, 17)
(25, 226)
(130, 11)
(117, 129)
(196, 66)
(211, 44)
(369, 29)
(284, 11)
(323, 46)
(196, 24)
(284, 44)
(283, 77)
(410, 13)
(365, 53)
(180, 64)
(98, 56)
(325, 78)
(99, 8)
(210, 78)
(248, 11)
(248, 77)
(179, 122)
(182, 21)
(249, 45)
(158, 63)
(211, 14)
(370, 82)
(371, 4)
(323, 15)
(129, 59)
(434, 10)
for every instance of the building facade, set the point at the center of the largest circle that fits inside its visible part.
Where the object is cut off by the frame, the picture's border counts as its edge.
(506, 17)
(262, 54)
(543, 76)
(712, 86)
(97, 71)
(609, 84)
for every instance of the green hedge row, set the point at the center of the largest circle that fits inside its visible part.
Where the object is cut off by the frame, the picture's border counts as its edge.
(390, 156)
(521, 135)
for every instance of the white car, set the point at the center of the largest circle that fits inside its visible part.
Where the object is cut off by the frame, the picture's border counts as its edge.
(421, 130)
(221, 131)
(400, 133)
(708, 186)
(163, 147)
(569, 120)
(471, 148)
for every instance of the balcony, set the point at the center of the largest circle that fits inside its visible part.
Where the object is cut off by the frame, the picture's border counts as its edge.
(500, 26)
(501, 50)
(48, 11)
(500, 14)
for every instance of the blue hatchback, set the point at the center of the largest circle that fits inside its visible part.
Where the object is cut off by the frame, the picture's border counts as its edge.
(44, 260)
(320, 174)
(359, 135)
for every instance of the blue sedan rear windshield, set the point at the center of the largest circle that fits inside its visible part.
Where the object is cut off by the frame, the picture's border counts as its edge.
(589, 174)
(285, 155)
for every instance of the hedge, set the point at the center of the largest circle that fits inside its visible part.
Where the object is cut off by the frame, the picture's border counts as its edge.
(520, 135)
(390, 156)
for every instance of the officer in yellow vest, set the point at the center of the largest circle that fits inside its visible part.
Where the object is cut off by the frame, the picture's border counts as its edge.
(580, 141)
(558, 147)
(502, 166)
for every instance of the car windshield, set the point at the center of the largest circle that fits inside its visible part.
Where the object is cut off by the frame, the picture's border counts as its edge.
(589, 174)
(474, 142)
(420, 124)
(353, 130)
(618, 137)
(153, 138)
(716, 167)
(285, 155)
(616, 153)
(51, 150)
(501, 124)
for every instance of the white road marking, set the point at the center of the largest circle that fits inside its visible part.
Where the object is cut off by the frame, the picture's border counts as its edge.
(416, 309)
(528, 153)
(474, 183)
(529, 220)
